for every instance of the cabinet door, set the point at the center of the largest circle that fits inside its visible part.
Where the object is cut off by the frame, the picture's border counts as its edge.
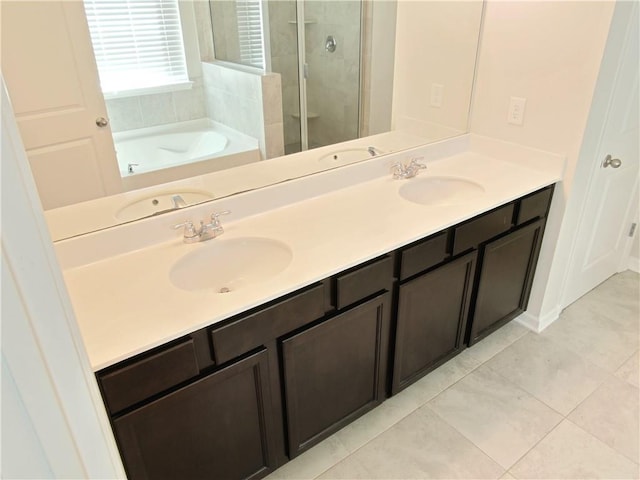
(506, 274)
(217, 428)
(334, 372)
(432, 318)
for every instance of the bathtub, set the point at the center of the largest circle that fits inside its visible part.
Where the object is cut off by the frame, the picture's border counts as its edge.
(180, 150)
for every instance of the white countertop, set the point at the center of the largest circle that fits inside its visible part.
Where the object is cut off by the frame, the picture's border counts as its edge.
(125, 302)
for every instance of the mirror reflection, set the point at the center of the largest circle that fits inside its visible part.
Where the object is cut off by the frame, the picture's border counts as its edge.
(191, 87)
(292, 82)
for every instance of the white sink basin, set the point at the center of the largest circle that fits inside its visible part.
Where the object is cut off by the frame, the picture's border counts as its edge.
(224, 266)
(347, 155)
(149, 205)
(439, 191)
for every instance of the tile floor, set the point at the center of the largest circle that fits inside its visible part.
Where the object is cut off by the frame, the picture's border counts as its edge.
(559, 405)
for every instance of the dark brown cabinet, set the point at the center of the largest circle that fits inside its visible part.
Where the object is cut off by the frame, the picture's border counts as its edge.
(432, 319)
(334, 372)
(504, 280)
(217, 427)
(238, 399)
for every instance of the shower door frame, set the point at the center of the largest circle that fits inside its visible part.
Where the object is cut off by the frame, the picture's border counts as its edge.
(302, 72)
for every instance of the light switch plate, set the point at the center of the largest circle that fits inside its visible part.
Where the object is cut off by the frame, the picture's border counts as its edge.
(437, 91)
(516, 110)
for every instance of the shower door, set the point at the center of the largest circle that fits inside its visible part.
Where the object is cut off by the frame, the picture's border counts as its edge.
(331, 67)
(315, 45)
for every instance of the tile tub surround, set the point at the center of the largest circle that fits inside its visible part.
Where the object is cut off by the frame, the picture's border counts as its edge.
(595, 440)
(354, 214)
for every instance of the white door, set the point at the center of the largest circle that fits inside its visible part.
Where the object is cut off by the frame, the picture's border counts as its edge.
(611, 203)
(52, 79)
(54, 424)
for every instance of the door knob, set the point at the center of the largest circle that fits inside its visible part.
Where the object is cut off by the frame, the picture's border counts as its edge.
(102, 122)
(614, 162)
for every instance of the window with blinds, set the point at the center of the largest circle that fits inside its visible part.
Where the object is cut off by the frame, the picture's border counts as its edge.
(249, 18)
(137, 43)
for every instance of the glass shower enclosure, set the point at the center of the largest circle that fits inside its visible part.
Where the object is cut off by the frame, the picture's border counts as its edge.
(315, 46)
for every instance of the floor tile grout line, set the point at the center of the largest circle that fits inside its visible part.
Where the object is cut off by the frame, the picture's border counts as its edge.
(527, 331)
(623, 364)
(560, 344)
(611, 376)
(532, 447)
(535, 445)
(607, 376)
(469, 440)
(603, 442)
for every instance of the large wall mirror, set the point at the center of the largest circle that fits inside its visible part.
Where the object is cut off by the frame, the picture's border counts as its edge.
(227, 88)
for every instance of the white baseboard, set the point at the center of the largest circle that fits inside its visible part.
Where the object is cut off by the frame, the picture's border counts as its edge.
(538, 323)
(634, 264)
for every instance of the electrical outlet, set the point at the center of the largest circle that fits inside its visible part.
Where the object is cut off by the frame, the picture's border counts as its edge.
(516, 110)
(437, 91)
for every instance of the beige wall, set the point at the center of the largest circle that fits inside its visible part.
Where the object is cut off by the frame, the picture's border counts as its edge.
(548, 53)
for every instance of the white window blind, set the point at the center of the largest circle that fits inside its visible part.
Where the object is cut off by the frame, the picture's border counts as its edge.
(249, 18)
(137, 43)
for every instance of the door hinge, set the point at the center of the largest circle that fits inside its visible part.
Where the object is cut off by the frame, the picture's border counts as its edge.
(632, 230)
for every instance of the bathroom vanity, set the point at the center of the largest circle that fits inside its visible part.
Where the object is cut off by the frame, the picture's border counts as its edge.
(379, 291)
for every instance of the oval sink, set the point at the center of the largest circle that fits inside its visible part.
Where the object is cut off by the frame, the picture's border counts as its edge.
(440, 190)
(161, 202)
(224, 266)
(348, 155)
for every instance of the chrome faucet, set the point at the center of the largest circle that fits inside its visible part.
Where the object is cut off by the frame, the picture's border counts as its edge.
(206, 231)
(178, 202)
(373, 151)
(402, 171)
(130, 167)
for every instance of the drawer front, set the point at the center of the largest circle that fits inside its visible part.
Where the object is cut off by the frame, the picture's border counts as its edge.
(364, 282)
(254, 330)
(483, 228)
(424, 255)
(146, 377)
(535, 205)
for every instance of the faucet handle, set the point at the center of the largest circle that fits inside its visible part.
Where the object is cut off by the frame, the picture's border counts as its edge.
(215, 220)
(189, 229)
(398, 170)
(415, 163)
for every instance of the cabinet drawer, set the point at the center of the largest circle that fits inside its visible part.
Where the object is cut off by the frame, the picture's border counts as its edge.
(471, 234)
(143, 378)
(535, 205)
(363, 282)
(255, 329)
(424, 255)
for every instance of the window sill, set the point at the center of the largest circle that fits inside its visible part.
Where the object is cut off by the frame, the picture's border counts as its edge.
(136, 92)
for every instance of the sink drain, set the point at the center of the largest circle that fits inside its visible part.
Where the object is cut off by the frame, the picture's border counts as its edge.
(224, 290)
